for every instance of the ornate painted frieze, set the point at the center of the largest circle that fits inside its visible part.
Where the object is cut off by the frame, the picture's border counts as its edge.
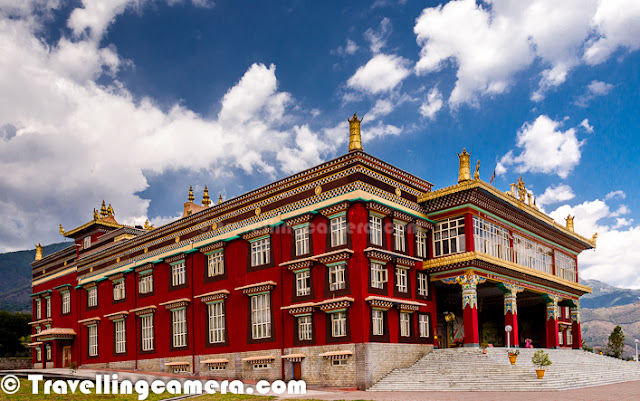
(469, 283)
(575, 311)
(552, 306)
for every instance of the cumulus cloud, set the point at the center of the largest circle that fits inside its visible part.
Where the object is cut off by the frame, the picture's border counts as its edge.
(587, 127)
(490, 42)
(554, 194)
(381, 74)
(432, 105)
(594, 89)
(545, 148)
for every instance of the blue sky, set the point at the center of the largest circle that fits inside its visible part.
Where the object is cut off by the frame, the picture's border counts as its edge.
(132, 101)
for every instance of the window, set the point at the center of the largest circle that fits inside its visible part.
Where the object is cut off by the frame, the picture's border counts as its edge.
(260, 366)
(448, 237)
(118, 290)
(38, 329)
(260, 317)
(145, 284)
(569, 337)
(567, 314)
(38, 354)
(423, 284)
(303, 285)
(213, 366)
(565, 266)
(377, 320)
(302, 240)
(399, 232)
(339, 362)
(560, 338)
(121, 337)
(336, 277)
(92, 296)
(421, 243)
(86, 243)
(93, 340)
(401, 279)
(339, 324)
(405, 325)
(491, 239)
(339, 231)
(178, 274)
(305, 325)
(378, 275)
(180, 368)
(66, 302)
(375, 230)
(38, 309)
(179, 317)
(48, 305)
(260, 252)
(215, 263)
(531, 254)
(216, 322)
(147, 332)
(423, 325)
(48, 348)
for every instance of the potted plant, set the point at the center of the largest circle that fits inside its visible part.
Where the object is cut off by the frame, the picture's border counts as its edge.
(541, 360)
(513, 355)
(484, 346)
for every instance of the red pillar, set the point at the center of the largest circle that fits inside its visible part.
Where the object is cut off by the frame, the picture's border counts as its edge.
(511, 319)
(471, 332)
(576, 330)
(511, 311)
(552, 321)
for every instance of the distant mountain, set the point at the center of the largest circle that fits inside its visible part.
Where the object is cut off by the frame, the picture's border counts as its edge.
(597, 325)
(605, 295)
(15, 270)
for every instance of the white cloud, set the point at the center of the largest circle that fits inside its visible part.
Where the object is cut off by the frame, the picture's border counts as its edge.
(545, 149)
(594, 89)
(490, 42)
(432, 105)
(382, 108)
(585, 124)
(558, 193)
(381, 74)
(377, 38)
(616, 194)
(348, 50)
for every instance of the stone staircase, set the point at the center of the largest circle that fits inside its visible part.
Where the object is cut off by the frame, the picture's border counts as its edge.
(468, 369)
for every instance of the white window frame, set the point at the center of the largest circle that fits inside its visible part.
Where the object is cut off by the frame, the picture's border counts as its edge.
(421, 243)
(119, 290)
(216, 322)
(146, 324)
(375, 230)
(399, 236)
(423, 284)
(337, 277)
(215, 264)
(48, 348)
(302, 283)
(48, 307)
(38, 309)
(92, 296)
(260, 252)
(301, 235)
(491, 239)
(379, 275)
(567, 313)
(260, 316)
(449, 237)
(338, 230)
(339, 324)
(145, 283)
(338, 362)
(120, 330)
(560, 338)
(569, 337)
(179, 322)
(377, 321)
(530, 254)
(305, 328)
(565, 266)
(38, 354)
(405, 324)
(86, 242)
(178, 273)
(402, 279)
(423, 326)
(93, 340)
(66, 302)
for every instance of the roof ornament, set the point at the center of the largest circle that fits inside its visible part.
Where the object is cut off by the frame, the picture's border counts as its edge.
(464, 171)
(96, 216)
(206, 200)
(110, 211)
(103, 210)
(220, 199)
(355, 140)
(38, 251)
(593, 239)
(569, 220)
(476, 174)
(148, 226)
(61, 230)
(191, 198)
(522, 190)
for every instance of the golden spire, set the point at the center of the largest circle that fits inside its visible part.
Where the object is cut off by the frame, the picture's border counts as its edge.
(522, 190)
(220, 199)
(191, 197)
(476, 174)
(148, 226)
(61, 230)
(355, 140)
(96, 216)
(464, 171)
(569, 220)
(206, 200)
(110, 211)
(103, 210)
(38, 251)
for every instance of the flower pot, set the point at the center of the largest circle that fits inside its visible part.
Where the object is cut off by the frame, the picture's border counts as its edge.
(484, 351)
(540, 373)
(512, 358)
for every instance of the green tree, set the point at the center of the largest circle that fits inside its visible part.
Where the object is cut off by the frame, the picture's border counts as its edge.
(13, 328)
(616, 343)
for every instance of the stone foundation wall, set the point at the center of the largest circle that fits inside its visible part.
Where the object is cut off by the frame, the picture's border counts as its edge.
(380, 359)
(16, 363)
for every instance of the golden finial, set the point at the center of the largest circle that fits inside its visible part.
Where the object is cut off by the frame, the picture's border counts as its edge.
(205, 197)
(191, 197)
(38, 251)
(593, 239)
(355, 140)
(464, 171)
(220, 199)
(476, 175)
(96, 216)
(61, 230)
(110, 211)
(147, 226)
(522, 191)
(103, 210)
(569, 220)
